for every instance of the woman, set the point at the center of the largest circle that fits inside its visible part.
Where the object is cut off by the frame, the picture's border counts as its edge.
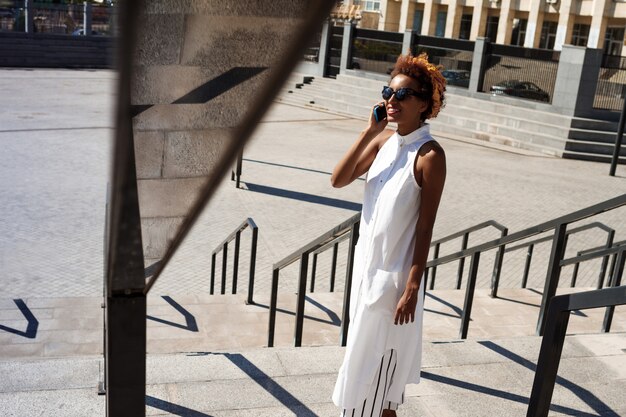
(406, 171)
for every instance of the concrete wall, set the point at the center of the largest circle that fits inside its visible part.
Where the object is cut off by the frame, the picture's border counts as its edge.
(54, 51)
(183, 46)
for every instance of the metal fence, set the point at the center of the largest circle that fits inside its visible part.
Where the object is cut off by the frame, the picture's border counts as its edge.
(375, 50)
(334, 56)
(611, 88)
(65, 19)
(520, 72)
(454, 55)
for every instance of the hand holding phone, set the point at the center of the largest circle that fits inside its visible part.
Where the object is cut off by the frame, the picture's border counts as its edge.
(379, 113)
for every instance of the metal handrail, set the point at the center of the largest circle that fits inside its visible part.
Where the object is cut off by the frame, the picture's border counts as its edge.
(559, 225)
(223, 247)
(333, 266)
(497, 266)
(349, 227)
(556, 328)
(531, 244)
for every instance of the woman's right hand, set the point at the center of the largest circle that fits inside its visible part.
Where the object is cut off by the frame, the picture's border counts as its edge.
(373, 126)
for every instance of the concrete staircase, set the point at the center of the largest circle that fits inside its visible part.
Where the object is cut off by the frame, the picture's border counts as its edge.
(489, 119)
(459, 378)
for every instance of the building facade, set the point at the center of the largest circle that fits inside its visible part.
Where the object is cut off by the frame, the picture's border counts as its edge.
(547, 24)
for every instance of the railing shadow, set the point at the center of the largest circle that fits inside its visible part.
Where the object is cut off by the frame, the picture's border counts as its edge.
(334, 319)
(309, 198)
(175, 409)
(33, 323)
(190, 320)
(294, 167)
(585, 395)
(266, 382)
(457, 310)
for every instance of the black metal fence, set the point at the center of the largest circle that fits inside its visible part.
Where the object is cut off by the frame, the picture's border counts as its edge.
(375, 50)
(521, 72)
(65, 19)
(454, 55)
(334, 55)
(611, 88)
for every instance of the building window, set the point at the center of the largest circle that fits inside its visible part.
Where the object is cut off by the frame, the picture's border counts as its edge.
(492, 28)
(370, 5)
(418, 18)
(613, 40)
(440, 29)
(518, 35)
(580, 34)
(466, 26)
(548, 35)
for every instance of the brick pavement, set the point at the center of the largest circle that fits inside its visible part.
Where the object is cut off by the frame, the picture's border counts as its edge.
(53, 174)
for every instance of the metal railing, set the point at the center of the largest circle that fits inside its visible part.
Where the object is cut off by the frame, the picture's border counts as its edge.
(559, 226)
(530, 245)
(223, 247)
(497, 266)
(556, 328)
(347, 229)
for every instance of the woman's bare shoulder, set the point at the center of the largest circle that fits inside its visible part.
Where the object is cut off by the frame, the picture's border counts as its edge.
(383, 137)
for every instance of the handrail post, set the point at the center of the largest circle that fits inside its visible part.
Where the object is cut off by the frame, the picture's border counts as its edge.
(553, 274)
(615, 282)
(548, 362)
(255, 236)
(433, 273)
(313, 270)
(236, 261)
(469, 295)
(605, 260)
(304, 266)
(572, 283)
(224, 266)
(497, 267)
(212, 285)
(272, 312)
(345, 314)
(459, 277)
(529, 258)
(333, 267)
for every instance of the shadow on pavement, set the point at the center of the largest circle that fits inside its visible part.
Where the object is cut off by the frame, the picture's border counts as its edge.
(177, 410)
(309, 198)
(190, 320)
(33, 323)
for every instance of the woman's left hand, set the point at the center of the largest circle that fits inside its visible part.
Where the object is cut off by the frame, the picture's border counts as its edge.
(405, 310)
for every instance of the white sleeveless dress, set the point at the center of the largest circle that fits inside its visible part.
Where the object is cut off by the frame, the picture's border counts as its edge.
(383, 258)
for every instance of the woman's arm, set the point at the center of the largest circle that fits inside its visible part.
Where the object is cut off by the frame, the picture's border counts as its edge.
(361, 154)
(433, 179)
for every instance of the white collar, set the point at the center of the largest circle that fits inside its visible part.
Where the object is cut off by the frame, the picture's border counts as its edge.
(419, 133)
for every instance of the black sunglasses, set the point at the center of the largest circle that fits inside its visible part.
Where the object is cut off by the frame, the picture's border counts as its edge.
(401, 93)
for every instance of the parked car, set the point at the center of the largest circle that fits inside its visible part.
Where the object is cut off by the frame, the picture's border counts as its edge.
(524, 89)
(457, 77)
(81, 32)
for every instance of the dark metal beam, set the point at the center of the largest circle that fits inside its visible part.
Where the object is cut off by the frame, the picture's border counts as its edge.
(125, 335)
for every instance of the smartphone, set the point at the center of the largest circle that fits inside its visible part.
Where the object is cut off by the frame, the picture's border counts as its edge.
(379, 113)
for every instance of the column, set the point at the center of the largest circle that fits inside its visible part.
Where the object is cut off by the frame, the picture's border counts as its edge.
(322, 57)
(429, 20)
(598, 25)
(505, 24)
(404, 15)
(479, 19)
(535, 21)
(476, 77)
(29, 8)
(566, 25)
(453, 20)
(346, 46)
(87, 19)
(407, 41)
(576, 80)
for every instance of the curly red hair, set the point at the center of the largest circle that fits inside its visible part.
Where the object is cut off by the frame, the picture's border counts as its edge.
(429, 77)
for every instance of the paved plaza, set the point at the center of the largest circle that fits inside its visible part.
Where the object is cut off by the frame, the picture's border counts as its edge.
(55, 130)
